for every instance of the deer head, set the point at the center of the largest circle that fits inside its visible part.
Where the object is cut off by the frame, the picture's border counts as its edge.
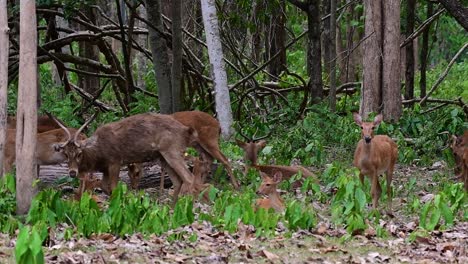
(367, 128)
(72, 148)
(268, 185)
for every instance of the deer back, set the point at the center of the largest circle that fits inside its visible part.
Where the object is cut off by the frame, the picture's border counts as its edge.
(44, 123)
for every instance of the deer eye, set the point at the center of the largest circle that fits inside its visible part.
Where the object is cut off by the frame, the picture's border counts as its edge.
(373, 128)
(268, 184)
(362, 127)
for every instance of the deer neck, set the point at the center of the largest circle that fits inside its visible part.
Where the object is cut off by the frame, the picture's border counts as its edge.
(276, 200)
(367, 149)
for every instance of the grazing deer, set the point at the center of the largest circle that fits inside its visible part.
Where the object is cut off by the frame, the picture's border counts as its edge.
(250, 155)
(44, 123)
(207, 145)
(135, 139)
(373, 156)
(268, 187)
(45, 152)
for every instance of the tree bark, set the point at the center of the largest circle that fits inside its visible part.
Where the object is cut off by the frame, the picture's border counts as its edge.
(160, 56)
(457, 10)
(332, 55)
(218, 72)
(372, 60)
(4, 51)
(392, 106)
(276, 39)
(314, 51)
(409, 68)
(26, 117)
(425, 53)
(177, 52)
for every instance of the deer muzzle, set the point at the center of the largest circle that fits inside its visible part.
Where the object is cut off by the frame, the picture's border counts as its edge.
(73, 173)
(367, 139)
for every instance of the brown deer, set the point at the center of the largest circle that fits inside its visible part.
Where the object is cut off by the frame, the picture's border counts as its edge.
(45, 152)
(250, 155)
(373, 156)
(459, 147)
(44, 123)
(207, 145)
(135, 139)
(268, 187)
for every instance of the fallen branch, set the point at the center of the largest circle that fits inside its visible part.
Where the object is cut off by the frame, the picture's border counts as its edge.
(421, 28)
(88, 97)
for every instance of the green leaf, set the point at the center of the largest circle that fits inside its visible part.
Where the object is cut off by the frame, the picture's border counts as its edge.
(360, 198)
(446, 213)
(22, 242)
(435, 217)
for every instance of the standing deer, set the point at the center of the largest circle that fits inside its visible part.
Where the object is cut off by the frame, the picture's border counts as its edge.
(135, 139)
(375, 155)
(268, 187)
(251, 150)
(460, 151)
(207, 145)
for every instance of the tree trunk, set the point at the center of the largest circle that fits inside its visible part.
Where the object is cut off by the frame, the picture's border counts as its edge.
(160, 56)
(4, 48)
(409, 69)
(218, 72)
(332, 55)
(276, 39)
(372, 60)
(457, 10)
(89, 50)
(314, 65)
(391, 61)
(26, 117)
(177, 52)
(425, 53)
(326, 39)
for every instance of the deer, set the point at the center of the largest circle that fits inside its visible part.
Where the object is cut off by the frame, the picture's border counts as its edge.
(251, 149)
(135, 139)
(45, 152)
(459, 147)
(207, 145)
(268, 187)
(44, 123)
(374, 155)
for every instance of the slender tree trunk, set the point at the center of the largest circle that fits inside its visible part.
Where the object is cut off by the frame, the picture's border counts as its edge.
(177, 52)
(4, 48)
(409, 72)
(458, 10)
(89, 50)
(314, 51)
(26, 118)
(160, 56)
(276, 39)
(391, 61)
(332, 55)
(326, 39)
(218, 72)
(372, 58)
(424, 53)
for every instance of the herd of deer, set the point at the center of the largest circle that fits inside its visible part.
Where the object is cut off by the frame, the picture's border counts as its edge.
(148, 137)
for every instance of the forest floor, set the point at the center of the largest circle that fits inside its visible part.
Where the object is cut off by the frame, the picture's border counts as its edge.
(324, 244)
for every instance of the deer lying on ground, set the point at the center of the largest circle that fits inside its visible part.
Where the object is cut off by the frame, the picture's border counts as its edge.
(44, 123)
(207, 145)
(45, 152)
(373, 156)
(250, 155)
(268, 187)
(135, 139)
(460, 151)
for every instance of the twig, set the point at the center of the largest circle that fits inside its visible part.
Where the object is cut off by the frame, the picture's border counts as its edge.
(444, 74)
(421, 28)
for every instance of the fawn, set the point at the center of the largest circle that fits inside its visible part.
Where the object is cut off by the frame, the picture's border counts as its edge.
(268, 187)
(373, 156)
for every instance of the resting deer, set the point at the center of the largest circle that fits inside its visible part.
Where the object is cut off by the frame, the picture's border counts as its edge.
(207, 145)
(45, 152)
(44, 123)
(135, 139)
(250, 155)
(268, 187)
(373, 156)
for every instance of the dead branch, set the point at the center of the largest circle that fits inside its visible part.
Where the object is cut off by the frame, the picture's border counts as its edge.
(444, 74)
(421, 28)
(88, 97)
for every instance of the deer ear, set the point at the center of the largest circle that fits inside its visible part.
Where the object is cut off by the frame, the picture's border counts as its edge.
(357, 118)
(261, 144)
(378, 119)
(278, 176)
(263, 175)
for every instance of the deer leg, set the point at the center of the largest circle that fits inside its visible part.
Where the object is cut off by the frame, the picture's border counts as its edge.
(161, 180)
(176, 162)
(375, 190)
(135, 173)
(174, 179)
(361, 178)
(215, 152)
(105, 183)
(114, 171)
